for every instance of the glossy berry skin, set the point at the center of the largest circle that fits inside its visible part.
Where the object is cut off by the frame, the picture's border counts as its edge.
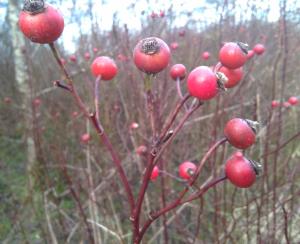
(202, 83)
(105, 67)
(205, 55)
(239, 133)
(232, 56)
(155, 173)
(151, 55)
(275, 104)
(240, 171)
(250, 54)
(85, 138)
(259, 49)
(186, 170)
(178, 71)
(293, 100)
(43, 27)
(233, 75)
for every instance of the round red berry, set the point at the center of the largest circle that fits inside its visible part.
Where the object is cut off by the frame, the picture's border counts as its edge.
(202, 83)
(155, 173)
(174, 45)
(162, 13)
(205, 55)
(85, 138)
(240, 171)
(42, 25)
(240, 133)
(105, 67)
(233, 75)
(186, 170)
(293, 100)
(73, 58)
(259, 49)
(151, 55)
(275, 104)
(233, 55)
(178, 71)
(134, 125)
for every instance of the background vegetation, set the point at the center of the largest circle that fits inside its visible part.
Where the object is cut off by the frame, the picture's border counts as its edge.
(41, 203)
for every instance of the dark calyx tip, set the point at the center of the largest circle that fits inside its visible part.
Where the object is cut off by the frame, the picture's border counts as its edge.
(256, 166)
(254, 125)
(34, 6)
(244, 47)
(150, 46)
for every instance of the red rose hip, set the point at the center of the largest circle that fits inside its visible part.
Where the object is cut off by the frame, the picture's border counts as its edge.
(233, 55)
(259, 49)
(275, 104)
(241, 171)
(178, 71)
(41, 23)
(205, 55)
(105, 67)
(202, 83)
(233, 75)
(293, 100)
(186, 170)
(85, 138)
(240, 133)
(155, 173)
(151, 55)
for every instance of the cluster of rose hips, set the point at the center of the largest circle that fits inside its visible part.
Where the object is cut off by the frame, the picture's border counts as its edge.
(44, 24)
(151, 55)
(292, 101)
(155, 15)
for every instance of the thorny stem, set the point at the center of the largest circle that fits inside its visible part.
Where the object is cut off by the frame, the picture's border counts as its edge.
(102, 135)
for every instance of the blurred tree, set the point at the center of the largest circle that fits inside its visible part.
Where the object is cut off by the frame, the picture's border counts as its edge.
(21, 78)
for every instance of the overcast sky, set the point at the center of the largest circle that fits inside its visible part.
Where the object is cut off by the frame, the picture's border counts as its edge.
(104, 12)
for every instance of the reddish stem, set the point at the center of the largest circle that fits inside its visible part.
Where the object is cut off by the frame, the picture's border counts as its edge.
(105, 140)
(177, 203)
(153, 158)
